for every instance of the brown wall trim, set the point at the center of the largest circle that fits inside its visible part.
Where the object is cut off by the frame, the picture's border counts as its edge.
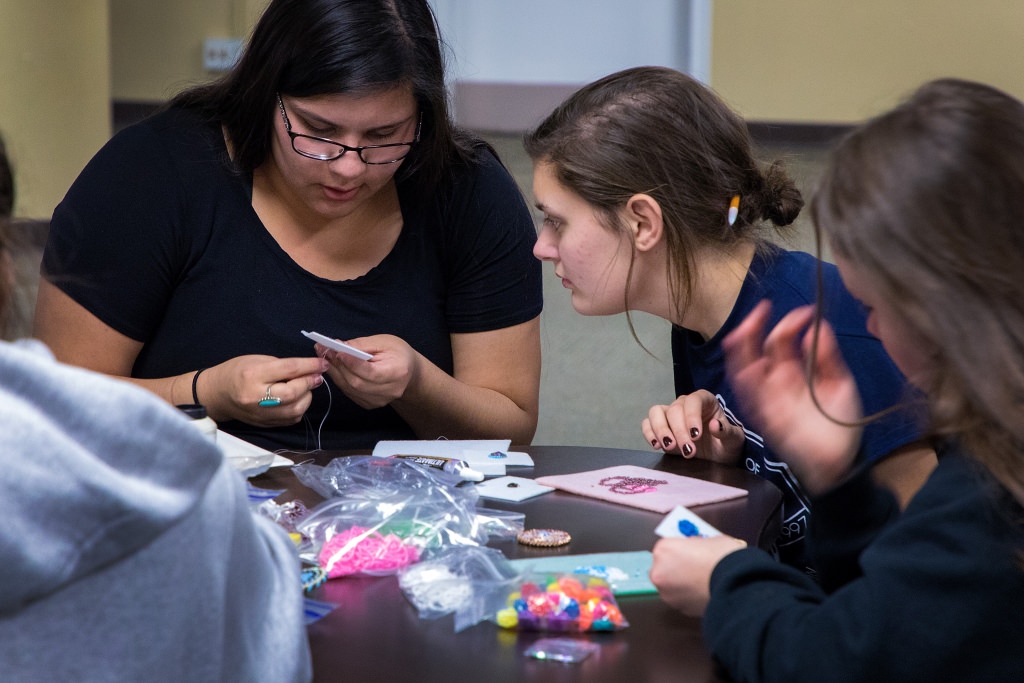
(516, 108)
(780, 134)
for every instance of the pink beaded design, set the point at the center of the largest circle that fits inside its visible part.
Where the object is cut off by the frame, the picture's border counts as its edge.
(360, 550)
(631, 485)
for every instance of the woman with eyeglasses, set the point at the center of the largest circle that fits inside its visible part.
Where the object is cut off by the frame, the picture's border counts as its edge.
(653, 202)
(319, 186)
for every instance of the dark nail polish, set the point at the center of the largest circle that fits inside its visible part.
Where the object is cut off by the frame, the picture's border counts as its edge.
(654, 443)
(667, 441)
(687, 449)
(694, 433)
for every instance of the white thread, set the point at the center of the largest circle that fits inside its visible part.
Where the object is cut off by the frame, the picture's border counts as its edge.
(320, 429)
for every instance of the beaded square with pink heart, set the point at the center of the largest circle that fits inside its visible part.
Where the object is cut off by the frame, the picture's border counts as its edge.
(642, 487)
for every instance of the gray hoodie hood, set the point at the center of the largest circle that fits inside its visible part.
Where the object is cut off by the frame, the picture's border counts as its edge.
(77, 494)
(128, 549)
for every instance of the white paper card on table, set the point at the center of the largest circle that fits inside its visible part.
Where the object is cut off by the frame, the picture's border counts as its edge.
(511, 488)
(246, 457)
(672, 526)
(488, 469)
(519, 459)
(439, 447)
(475, 457)
(281, 461)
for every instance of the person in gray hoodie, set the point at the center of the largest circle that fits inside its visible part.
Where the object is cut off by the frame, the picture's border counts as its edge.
(127, 548)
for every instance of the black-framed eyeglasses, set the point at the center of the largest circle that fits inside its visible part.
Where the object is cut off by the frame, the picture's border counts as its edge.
(323, 149)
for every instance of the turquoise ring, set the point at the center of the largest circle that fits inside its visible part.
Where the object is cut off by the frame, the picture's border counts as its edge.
(268, 399)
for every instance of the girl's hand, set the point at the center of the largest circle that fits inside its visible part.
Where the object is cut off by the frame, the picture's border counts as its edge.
(769, 374)
(233, 390)
(377, 382)
(681, 569)
(695, 426)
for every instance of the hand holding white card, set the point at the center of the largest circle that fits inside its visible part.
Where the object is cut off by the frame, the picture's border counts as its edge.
(684, 522)
(336, 345)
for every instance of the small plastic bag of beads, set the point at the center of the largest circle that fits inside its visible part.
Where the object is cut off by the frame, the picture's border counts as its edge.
(371, 477)
(384, 514)
(565, 650)
(561, 603)
(469, 581)
(358, 550)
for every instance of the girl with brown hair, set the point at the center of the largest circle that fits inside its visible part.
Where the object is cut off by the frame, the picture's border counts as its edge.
(922, 209)
(653, 201)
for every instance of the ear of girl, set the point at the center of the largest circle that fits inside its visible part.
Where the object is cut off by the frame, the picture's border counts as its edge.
(644, 216)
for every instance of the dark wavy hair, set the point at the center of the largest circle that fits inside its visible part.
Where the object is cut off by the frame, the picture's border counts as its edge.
(927, 200)
(304, 48)
(656, 131)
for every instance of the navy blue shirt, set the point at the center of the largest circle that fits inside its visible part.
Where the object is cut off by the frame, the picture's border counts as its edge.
(789, 280)
(158, 239)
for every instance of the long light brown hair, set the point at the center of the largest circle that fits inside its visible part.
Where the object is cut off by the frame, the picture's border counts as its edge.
(929, 199)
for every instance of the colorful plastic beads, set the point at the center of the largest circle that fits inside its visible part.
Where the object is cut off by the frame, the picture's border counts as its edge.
(562, 604)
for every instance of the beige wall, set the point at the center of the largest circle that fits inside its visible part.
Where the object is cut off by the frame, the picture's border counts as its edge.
(786, 60)
(158, 44)
(841, 61)
(54, 94)
(62, 63)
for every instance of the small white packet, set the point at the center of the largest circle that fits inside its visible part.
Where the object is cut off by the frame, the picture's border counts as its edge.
(564, 650)
(511, 488)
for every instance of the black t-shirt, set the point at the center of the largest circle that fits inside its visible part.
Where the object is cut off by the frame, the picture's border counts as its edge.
(158, 239)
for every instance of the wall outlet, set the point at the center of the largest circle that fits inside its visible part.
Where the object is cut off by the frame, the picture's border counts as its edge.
(220, 54)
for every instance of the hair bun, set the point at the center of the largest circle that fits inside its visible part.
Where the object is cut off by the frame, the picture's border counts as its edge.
(781, 201)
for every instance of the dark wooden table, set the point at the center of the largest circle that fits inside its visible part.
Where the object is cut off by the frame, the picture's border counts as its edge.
(375, 634)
